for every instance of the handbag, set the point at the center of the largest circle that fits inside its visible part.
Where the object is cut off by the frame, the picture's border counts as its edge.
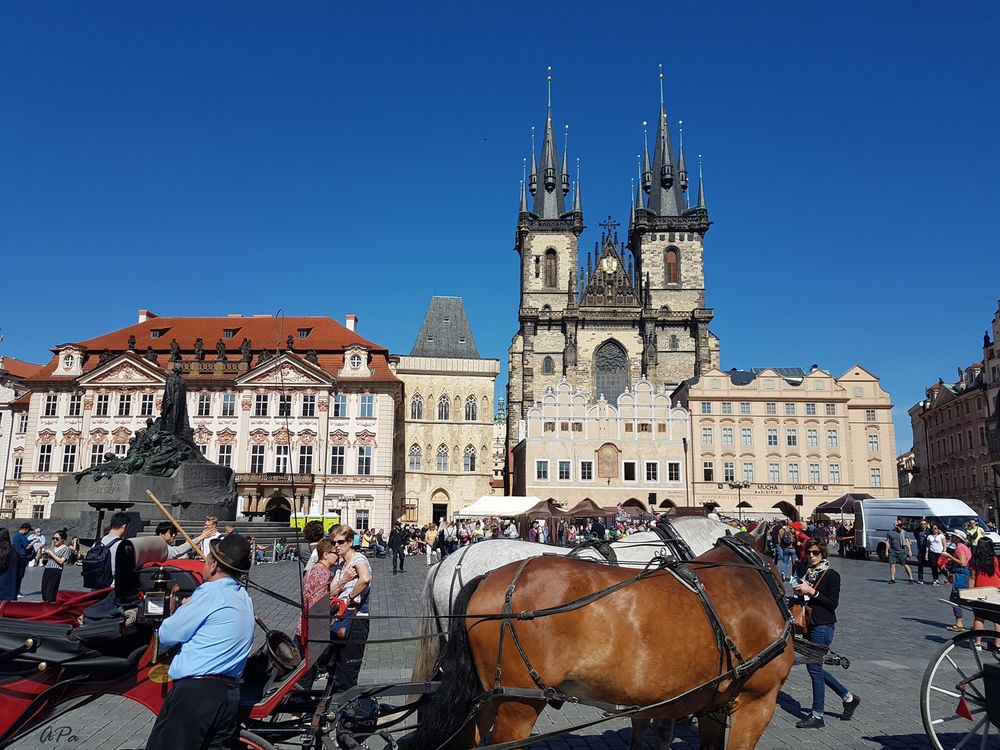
(802, 614)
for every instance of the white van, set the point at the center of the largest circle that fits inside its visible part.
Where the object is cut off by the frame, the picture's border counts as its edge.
(874, 517)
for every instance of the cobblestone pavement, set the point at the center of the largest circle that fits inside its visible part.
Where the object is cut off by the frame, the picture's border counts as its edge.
(888, 632)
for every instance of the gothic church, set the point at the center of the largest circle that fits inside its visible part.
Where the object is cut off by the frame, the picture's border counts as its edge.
(635, 309)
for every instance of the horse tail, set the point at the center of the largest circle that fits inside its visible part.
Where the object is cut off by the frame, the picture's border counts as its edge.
(449, 708)
(428, 647)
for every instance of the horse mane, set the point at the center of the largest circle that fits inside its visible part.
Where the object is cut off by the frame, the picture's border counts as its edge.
(449, 708)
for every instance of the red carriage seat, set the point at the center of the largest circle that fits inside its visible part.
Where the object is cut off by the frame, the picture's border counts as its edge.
(65, 610)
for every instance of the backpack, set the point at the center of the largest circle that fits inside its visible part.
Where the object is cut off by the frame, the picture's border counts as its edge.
(786, 540)
(97, 565)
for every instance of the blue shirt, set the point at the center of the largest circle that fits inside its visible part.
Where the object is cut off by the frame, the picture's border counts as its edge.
(22, 545)
(215, 628)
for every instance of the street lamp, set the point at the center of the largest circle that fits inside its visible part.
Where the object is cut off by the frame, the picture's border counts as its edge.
(739, 486)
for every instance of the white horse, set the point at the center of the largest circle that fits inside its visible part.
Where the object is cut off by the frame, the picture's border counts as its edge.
(447, 578)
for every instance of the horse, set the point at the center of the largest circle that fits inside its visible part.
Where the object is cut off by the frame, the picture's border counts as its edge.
(730, 668)
(451, 574)
(446, 580)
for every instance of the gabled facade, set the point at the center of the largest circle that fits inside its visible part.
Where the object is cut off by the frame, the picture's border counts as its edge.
(13, 425)
(796, 438)
(306, 419)
(633, 310)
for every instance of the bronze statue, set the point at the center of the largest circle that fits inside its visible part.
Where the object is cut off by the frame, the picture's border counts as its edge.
(175, 351)
(220, 350)
(199, 349)
(160, 448)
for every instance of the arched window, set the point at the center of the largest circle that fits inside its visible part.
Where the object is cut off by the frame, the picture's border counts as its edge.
(442, 457)
(469, 459)
(551, 268)
(416, 408)
(444, 408)
(548, 366)
(415, 456)
(672, 270)
(611, 364)
(470, 409)
(673, 343)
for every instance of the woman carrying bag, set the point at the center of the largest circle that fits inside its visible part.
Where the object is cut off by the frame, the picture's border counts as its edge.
(53, 559)
(958, 557)
(820, 592)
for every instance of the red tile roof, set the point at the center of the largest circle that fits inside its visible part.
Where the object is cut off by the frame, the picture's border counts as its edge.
(325, 336)
(17, 367)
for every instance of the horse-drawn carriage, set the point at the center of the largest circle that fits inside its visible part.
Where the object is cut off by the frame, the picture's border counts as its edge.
(516, 643)
(960, 692)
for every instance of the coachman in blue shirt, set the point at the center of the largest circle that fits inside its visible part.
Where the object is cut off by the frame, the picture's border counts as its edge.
(214, 629)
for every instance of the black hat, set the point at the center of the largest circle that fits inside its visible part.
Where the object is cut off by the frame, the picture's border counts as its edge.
(232, 552)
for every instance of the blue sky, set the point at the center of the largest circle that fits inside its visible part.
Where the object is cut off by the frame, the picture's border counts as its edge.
(212, 158)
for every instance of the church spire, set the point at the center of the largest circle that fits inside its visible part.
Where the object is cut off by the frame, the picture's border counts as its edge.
(682, 172)
(665, 197)
(533, 180)
(577, 203)
(647, 170)
(565, 162)
(701, 187)
(549, 197)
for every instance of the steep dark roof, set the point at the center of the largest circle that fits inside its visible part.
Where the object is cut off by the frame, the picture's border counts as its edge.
(445, 331)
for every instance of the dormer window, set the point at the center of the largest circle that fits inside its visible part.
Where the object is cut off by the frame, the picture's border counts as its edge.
(304, 332)
(355, 361)
(154, 334)
(228, 333)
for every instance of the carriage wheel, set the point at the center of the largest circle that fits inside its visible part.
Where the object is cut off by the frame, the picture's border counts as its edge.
(251, 741)
(953, 696)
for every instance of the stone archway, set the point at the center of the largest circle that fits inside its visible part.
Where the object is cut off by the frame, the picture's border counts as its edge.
(440, 505)
(278, 509)
(788, 509)
(667, 503)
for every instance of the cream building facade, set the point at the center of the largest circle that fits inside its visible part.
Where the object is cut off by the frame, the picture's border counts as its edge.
(796, 438)
(307, 422)
(446, 456)
(13, 427)
(630, 452)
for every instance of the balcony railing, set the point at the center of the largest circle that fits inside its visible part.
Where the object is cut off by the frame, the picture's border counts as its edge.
(276, 478)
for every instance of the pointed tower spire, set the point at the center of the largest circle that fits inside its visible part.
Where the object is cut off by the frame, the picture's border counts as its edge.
(631, 198)
(639, 204)
(665, 197)
(682, 172)
(701, 187)
(647, 170)
(577, 202)
(549, 198)
(565, 162)
(533, 180)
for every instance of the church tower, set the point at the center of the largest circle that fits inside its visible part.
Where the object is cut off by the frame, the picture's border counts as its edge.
(546, 242)
(666, 237)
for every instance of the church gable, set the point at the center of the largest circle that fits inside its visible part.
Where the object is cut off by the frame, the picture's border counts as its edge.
(608, 283)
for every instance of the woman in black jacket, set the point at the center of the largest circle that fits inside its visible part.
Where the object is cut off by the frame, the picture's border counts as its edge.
(820, 591)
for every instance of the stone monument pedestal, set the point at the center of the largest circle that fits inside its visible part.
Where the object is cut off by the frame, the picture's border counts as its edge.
(195, 490)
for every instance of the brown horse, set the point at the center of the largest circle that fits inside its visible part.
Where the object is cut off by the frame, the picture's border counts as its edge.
(648, 641)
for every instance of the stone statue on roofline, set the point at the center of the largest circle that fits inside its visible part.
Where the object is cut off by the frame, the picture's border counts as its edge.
(199, 349)
(220, 350)
(245, 353)
(175, 351)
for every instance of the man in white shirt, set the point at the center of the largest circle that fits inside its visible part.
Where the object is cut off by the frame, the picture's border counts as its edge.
(210, 532)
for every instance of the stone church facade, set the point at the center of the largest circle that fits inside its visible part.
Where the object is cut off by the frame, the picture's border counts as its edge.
(633, 309)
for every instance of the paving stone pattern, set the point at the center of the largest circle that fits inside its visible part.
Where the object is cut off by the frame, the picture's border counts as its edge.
(888, 632)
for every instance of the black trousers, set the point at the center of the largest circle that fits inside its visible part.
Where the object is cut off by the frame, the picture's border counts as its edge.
(397, 555)
(197, 715)
(22, 565)
(345, 662)
(50, 583)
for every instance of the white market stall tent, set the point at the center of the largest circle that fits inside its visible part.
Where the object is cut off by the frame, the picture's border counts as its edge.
(498, 505)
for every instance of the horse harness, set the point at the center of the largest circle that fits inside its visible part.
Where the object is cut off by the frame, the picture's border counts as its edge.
(740, 668)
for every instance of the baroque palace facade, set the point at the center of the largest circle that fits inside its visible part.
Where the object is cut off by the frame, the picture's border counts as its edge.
(634, 313)
(304, 410)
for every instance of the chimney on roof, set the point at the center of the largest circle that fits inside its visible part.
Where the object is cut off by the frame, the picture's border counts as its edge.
(352, 323)
(235, 315)
(145, 315)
